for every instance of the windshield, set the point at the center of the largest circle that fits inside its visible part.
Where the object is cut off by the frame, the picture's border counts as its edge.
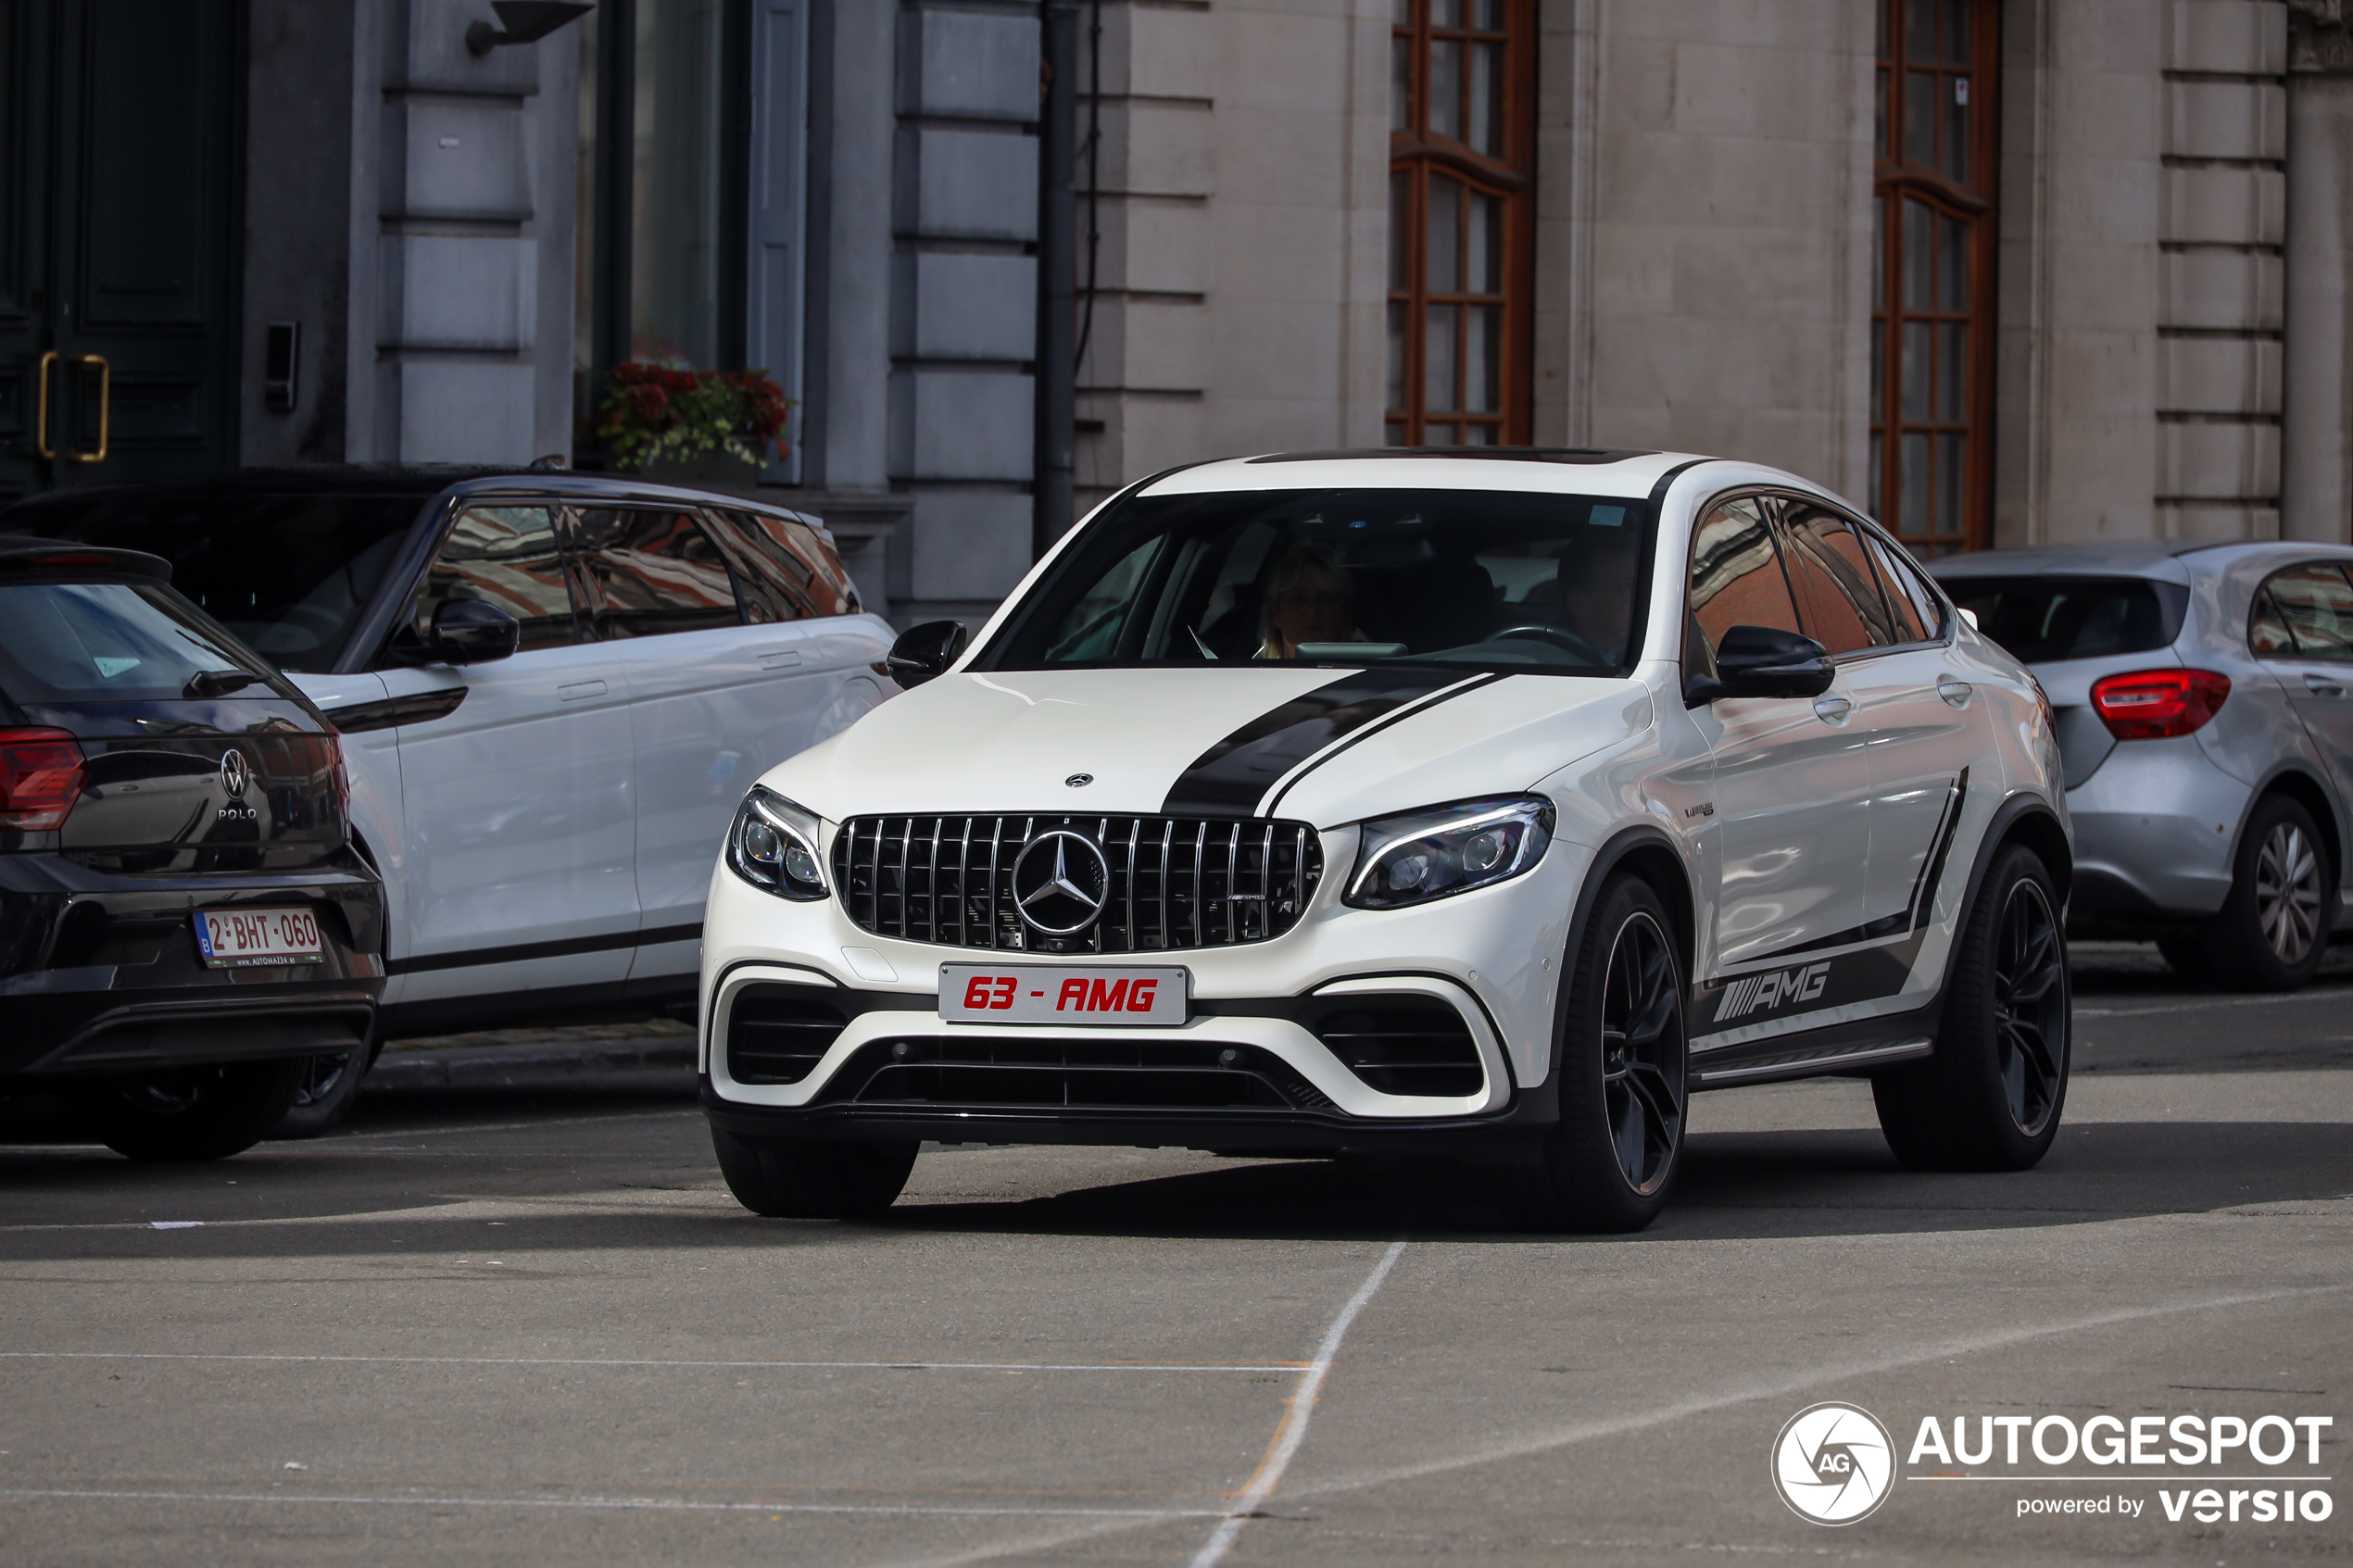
(1484, 579)
(287, 574)
(2042, 619)
(77, 641)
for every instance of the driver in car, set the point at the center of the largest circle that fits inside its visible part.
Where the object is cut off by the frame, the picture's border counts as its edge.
(1594, 573)
(1309, 599)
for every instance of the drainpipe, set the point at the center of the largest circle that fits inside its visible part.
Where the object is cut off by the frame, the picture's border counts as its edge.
(1057, 266)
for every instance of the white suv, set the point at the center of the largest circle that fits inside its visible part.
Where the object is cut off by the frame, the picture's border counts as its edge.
(1483, 804)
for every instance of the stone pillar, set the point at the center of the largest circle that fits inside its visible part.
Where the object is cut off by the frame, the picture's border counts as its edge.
(463, 208)
(2316, 491)
(2084, 205)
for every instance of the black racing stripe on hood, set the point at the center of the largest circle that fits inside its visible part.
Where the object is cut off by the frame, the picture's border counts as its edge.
(1228, 779)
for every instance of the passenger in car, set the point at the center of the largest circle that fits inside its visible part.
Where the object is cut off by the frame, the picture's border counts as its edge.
(1310, 598)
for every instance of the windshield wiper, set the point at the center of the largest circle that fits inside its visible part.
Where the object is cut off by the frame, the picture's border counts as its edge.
(218, 683)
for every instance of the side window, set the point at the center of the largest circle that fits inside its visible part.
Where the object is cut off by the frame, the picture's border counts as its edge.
(507, 556)
(648, 572)
(790, 562)
(2267, 633)
(1736, 574)
(2317, 604)
(1830, 568)
(1919, 615)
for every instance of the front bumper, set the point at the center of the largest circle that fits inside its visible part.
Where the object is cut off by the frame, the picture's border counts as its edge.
(1532, 1114)
(100, 974)
(1492, 957)
(2156, 831)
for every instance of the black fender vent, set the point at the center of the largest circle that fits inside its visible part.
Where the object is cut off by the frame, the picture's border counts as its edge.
(1405, 1045)
(776, 1033)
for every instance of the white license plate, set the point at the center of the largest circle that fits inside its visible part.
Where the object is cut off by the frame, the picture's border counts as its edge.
(975, 993)
(241, 938)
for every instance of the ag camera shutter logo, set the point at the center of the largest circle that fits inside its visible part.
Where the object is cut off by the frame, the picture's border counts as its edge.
(1833, 1463)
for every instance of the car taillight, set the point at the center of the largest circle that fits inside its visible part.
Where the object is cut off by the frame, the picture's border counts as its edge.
(40, 779)
(343, 777)
(2159, 704)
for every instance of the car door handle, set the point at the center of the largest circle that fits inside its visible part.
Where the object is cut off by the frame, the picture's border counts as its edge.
(1955, 693)
(579, 689)
(1833, 709)
(2320, 686)
(779, 659)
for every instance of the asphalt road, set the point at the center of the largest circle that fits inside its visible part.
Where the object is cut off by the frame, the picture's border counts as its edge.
(520, 1327)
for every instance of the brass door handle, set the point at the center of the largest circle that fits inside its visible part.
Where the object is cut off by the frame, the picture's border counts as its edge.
(105, 406)
(41, 406)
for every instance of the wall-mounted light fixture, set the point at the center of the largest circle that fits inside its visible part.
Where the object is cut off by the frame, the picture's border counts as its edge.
(522, 21)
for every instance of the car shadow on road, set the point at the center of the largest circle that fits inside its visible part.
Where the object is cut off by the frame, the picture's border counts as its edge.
(1734, 1186)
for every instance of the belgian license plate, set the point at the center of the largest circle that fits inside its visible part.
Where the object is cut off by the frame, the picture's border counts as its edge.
(972, 993)
(246, 938)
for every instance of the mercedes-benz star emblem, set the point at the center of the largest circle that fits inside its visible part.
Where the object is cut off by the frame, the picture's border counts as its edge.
(234, 774)
(1061, 881)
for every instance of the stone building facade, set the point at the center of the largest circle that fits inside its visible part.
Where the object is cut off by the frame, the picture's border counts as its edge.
(2004, 271)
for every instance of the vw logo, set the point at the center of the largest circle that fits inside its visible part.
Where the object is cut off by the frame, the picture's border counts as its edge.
(1833, 1463)
(1061, 882)
(234, 774)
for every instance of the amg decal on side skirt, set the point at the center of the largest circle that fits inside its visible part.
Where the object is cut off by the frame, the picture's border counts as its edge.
(1755, 992)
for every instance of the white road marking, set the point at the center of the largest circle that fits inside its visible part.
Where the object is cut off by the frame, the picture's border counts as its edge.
(1812, 1378)
(653, 1504)
(1313, 1369)
(2330, 995)
(1297, 1412)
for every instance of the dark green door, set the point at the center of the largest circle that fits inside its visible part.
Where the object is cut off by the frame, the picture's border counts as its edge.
(118, 223)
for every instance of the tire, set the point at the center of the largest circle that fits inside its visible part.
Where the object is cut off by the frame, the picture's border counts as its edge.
(1990, 1098)
(1611, 1161)
(324, 1095)
(2273, 930)
(190, 1113)
(807, 1179)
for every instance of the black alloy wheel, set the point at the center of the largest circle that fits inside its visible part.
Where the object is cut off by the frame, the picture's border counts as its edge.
(2030, 1007)
(324, 1096)
(1643, 1053)
(2272, 930)
(1990, 1096)
(1610, 1162)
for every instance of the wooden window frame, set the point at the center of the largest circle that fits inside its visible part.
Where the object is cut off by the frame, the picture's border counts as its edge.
(1415, 156)
(1972, 200)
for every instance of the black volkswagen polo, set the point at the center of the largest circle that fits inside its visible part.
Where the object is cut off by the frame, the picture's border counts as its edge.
(182, 920)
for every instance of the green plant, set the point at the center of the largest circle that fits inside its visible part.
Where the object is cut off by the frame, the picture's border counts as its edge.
(653, 414)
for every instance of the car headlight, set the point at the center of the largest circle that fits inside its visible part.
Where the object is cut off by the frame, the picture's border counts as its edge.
(1444, 850)
(773, 844)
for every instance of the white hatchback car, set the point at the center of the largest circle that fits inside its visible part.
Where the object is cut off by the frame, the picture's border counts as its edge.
(552, 690)
(1475, 803)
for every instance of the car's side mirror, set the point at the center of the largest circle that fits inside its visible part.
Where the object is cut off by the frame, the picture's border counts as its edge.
(924, 651)
(472, 632)
(1762, 661)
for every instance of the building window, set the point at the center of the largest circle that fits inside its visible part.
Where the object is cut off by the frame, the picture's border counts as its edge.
(1932, 286)
(1461, 250)
(691, 214)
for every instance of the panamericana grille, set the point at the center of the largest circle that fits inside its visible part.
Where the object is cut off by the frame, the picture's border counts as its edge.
(1176, 882)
